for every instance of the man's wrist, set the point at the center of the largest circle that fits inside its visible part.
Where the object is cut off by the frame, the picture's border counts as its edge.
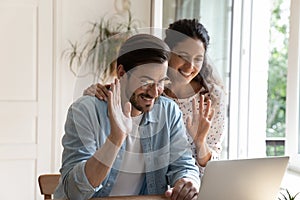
(107, 153)
(117, 140)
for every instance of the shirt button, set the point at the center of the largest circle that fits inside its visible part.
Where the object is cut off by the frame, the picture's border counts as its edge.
(108, 184)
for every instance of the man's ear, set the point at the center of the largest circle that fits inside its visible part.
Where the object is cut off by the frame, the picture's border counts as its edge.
(120, 71)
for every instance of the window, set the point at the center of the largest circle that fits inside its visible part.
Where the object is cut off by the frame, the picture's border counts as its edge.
(277, 74)
(240, 49)
(218, 27)
(293, 87)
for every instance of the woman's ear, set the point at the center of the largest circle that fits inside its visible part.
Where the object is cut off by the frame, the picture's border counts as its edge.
(120, 71)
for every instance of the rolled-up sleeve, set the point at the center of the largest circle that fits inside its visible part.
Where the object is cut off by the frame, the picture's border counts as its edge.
(78, 186)
(80, 142)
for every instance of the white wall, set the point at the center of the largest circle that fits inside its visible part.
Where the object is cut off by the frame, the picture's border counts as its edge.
(26, 95)
(72, 19)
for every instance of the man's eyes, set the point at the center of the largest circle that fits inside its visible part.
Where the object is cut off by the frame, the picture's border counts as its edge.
(145, 83)
(165, 81)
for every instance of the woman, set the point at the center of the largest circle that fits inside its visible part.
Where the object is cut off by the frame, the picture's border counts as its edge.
(195, 87)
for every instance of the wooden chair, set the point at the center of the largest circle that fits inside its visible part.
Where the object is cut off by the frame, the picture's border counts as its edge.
(48, 183)
(141, 197)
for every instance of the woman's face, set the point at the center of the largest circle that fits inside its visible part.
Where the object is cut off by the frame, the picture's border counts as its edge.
(186, 61)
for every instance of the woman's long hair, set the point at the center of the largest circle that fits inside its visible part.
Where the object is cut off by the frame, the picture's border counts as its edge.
(208, 77)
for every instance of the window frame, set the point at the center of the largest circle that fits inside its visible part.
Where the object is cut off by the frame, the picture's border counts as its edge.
(243, 112)
(248, 84)
(293, 86)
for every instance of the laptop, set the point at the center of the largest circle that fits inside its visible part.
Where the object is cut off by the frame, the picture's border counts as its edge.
(243, 179)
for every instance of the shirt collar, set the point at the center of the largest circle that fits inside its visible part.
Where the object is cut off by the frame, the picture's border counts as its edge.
(152, 115)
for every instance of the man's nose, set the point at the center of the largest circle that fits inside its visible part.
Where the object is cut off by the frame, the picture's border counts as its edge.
(154, 90)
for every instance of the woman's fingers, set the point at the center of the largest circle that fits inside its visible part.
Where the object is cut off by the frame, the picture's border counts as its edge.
(91, 90)
(207, 110)
(201, 105)
(211, 115)
(101, 91)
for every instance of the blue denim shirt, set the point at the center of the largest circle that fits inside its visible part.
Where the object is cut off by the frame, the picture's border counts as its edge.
(163, 139)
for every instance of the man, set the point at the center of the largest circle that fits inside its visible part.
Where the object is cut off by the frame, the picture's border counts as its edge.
(135, 143)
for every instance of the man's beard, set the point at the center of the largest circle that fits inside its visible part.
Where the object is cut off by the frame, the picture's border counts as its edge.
(135, 104)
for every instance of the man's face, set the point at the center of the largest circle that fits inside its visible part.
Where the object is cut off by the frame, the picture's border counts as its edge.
(144, 84)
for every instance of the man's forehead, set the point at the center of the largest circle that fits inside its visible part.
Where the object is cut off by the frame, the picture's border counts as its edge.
(150, 70)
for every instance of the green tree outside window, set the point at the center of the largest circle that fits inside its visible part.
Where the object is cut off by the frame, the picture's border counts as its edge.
(276, 110)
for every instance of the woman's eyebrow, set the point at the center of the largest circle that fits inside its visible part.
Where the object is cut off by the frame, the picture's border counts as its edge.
(183, 52)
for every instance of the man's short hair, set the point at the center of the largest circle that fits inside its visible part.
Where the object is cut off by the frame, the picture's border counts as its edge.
(142, 49)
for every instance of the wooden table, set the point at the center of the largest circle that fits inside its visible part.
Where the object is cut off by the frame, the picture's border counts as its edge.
(141, 197)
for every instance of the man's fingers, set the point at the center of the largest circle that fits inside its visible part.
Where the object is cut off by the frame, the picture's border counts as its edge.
(117, 92)
(127, 109)
(110, 103)
(168, 193)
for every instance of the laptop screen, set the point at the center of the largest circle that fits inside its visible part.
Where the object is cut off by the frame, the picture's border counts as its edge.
(246, 179)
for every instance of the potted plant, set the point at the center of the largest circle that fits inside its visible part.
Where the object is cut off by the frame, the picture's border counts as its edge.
(287, 195)
(96, 55)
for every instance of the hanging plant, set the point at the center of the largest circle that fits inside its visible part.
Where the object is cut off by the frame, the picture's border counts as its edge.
(97, 54)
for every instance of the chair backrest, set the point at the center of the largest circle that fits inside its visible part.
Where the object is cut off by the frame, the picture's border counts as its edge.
(140, 197)
(48, 183)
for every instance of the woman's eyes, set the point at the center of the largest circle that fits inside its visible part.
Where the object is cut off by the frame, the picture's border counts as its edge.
(187, 58)
(198, 60)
